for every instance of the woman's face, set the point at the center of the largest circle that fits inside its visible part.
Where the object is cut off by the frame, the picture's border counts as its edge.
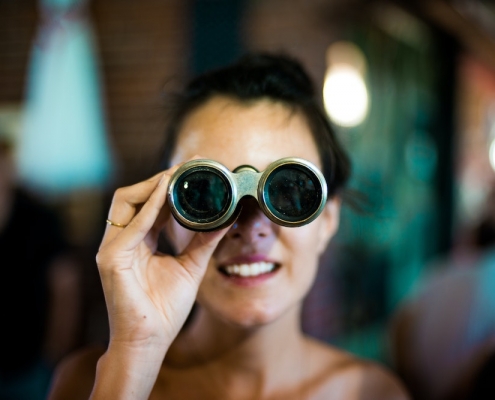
(280, 262)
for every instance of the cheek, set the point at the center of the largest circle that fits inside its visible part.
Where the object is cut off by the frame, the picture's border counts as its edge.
(302, 254)
(304, 241)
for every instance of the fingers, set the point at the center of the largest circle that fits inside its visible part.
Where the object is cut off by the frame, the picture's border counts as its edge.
(198, 252)
(128, 201)
(132, 201)
(125, 203)
(144, 220)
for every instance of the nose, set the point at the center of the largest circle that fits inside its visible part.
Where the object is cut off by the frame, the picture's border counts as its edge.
(252, 225)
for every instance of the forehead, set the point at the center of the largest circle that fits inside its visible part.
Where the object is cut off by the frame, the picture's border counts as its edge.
(236, 133)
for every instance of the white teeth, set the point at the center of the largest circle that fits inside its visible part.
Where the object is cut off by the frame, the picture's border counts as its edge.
(245, 270)
(253, 269)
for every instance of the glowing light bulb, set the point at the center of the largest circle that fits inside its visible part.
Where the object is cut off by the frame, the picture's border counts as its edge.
(345, 95)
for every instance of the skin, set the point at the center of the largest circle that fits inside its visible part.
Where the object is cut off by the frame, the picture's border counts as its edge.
(245, 341)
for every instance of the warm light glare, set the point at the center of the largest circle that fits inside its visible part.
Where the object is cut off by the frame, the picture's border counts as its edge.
(492, 154)
(345, 95)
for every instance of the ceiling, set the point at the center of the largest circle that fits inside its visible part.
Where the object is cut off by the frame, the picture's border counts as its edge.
(472, 22)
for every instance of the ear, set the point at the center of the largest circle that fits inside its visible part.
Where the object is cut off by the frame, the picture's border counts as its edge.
(329, 222)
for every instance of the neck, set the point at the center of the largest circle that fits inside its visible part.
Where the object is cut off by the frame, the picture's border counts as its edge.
(217, 339)
(234, 353)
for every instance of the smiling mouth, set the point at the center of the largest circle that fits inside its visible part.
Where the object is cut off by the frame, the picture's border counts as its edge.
(248, 270)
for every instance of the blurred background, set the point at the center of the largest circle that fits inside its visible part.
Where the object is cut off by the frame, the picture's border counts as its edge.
(408, 85)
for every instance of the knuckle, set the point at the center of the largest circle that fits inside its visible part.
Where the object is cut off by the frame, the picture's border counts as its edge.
(101, 259)
(120, 193)
(104, 257)
(105, 264)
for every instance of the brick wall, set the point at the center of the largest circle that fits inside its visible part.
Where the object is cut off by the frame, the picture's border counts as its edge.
(17, 28)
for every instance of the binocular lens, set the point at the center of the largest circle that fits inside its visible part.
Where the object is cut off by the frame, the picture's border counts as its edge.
(204, 195)
(292, 193)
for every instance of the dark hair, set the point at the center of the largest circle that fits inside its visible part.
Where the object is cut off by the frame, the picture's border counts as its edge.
(257, 76)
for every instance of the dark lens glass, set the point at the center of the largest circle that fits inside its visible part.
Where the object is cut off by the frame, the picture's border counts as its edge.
(202, 195)
(292, 193)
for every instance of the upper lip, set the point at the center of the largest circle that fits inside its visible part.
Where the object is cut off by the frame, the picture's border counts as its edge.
(247, 259)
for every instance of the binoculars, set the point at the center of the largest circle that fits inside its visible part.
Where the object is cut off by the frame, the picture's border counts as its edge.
(204, 195)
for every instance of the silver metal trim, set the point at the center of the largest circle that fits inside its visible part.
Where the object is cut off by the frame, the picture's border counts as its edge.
(246, 181)
(291, 161)
(198, 164)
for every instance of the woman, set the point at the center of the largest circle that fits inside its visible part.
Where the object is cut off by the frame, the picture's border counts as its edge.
(244, 339)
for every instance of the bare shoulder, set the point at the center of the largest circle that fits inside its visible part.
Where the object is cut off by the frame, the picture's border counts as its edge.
(339, 374)
(74, 376)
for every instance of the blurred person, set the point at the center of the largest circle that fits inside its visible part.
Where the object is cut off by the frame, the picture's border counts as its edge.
(40, 299)
(443, 335)
(244, 282)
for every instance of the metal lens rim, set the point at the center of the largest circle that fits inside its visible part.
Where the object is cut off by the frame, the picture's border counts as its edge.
(199, 165)
(299, 162)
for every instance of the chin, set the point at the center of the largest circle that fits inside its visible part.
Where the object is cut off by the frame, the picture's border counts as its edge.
(248, 315)
(250, 320)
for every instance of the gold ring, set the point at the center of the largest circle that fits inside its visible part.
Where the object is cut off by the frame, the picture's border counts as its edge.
(115, 224)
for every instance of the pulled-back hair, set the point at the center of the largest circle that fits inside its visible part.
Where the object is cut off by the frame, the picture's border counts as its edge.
(257, 76)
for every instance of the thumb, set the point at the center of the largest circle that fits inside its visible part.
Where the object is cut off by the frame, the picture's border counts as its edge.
(198, 252)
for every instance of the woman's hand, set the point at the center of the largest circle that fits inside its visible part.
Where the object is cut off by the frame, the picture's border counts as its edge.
(148, 295)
